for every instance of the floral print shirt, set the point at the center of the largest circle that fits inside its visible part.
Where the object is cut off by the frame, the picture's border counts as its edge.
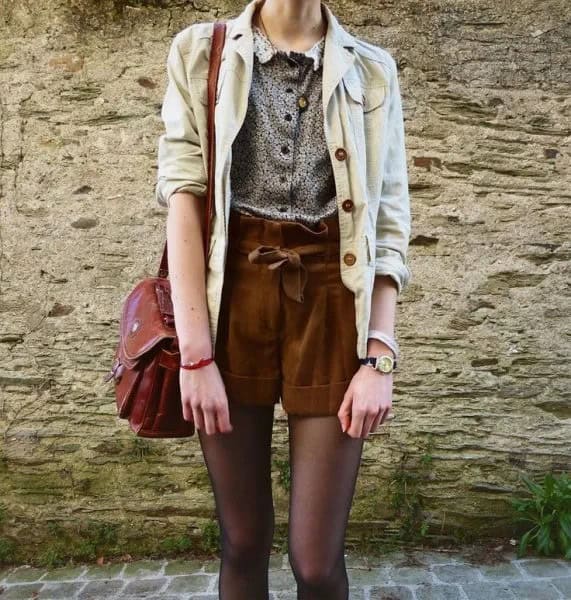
(281, 167)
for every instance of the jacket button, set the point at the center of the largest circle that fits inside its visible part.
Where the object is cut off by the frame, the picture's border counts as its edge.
(349, 258)
(347, 205)
(340, 154)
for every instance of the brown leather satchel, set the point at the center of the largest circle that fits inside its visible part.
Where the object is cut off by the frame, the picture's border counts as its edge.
(147, 359)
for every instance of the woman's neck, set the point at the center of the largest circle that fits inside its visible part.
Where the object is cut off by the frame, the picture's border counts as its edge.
(291, 24)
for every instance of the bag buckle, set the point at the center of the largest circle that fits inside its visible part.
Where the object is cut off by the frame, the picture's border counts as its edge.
(115, 372)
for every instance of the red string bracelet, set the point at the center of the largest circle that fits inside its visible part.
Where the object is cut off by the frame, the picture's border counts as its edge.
(197, 364)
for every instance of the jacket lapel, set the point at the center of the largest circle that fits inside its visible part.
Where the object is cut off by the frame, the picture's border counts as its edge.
(338, 56)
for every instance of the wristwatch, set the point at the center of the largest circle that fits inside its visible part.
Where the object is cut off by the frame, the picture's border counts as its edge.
(384, 363)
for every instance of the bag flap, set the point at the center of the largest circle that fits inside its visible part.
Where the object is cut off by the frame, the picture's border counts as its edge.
(147, 317)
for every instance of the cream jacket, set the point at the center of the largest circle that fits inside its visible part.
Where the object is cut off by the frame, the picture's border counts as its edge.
(365, 135)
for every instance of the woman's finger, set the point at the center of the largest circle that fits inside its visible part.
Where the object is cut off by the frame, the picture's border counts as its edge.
(368, 423)
(209, 420)
(198, 419)
(376, 421)
(357, 420)
(387, 415)
(186, 410)
(223, 418)
(344, 412)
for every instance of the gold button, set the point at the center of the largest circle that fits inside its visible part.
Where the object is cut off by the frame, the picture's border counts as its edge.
(349, 258)
(302, 102)
(347, 205)
(340, 154)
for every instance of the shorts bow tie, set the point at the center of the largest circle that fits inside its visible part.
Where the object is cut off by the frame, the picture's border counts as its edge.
(293, 271)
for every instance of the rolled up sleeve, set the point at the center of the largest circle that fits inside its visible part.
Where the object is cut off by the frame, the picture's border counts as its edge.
(394, 218)
(180, 157)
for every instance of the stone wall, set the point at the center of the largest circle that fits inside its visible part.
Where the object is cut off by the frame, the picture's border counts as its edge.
(483, 392)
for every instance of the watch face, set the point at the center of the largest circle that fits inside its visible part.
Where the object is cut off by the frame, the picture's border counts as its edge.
(385, 364)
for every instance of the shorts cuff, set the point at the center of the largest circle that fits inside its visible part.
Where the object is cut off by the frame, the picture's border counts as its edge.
(248, 390)
(314, 400)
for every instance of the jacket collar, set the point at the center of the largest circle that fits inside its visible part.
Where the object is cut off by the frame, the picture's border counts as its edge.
(338, 56)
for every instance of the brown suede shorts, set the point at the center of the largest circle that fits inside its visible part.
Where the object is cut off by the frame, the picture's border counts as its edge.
(287, 322)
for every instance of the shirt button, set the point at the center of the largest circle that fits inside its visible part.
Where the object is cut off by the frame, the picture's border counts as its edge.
(288, 117)
(340, 154)
(283, 209)
(285, 149)
(283, 178)
(289, 90)
(302, 102)
(349, 258)
(347, 205)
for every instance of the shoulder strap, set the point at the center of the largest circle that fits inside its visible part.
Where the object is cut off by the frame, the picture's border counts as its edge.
(217, 45)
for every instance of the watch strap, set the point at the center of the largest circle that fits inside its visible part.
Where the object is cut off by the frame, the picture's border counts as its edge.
(372, 360)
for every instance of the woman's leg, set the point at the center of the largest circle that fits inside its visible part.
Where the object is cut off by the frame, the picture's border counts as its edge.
(239, 467)
(324, 465)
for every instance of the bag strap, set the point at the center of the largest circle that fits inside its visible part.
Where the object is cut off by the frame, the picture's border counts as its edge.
(217, 45)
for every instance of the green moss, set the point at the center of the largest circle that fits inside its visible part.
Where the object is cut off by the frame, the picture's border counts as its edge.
(140, 448)
(369, 542)
(210, 536)
(284, 472)
(84, 542)
(280, 541)
(7, 551)
(406, 493)
(174, 545)
(8, 548)
(142, 546)
(52, 556)
(3, 460)
(102, 533)
(55, 529)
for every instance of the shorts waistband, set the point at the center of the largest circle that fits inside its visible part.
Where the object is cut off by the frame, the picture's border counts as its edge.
(285, 244)
(287, 233)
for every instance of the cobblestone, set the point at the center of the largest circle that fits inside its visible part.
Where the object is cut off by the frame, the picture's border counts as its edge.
(429, 575)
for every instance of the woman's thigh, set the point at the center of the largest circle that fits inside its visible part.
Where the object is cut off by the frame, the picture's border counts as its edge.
(324, 467)
(239, 468)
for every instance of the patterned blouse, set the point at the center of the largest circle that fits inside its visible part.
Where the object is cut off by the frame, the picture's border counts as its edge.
(281, 167)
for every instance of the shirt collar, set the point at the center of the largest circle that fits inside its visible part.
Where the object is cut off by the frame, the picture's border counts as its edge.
(264, 49)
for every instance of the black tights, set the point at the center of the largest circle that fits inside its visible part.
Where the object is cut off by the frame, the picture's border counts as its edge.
(324, 464)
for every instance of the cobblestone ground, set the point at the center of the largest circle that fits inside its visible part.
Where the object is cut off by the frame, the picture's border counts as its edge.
(416, 575)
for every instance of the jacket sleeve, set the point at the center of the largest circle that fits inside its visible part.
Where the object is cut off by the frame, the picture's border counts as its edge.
(394, 219)
(180, 160)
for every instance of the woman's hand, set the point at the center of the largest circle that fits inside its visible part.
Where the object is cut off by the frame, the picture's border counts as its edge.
(367, 402)
(204, 399)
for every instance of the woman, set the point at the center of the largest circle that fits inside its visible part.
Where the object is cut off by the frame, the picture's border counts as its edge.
(307, 258)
